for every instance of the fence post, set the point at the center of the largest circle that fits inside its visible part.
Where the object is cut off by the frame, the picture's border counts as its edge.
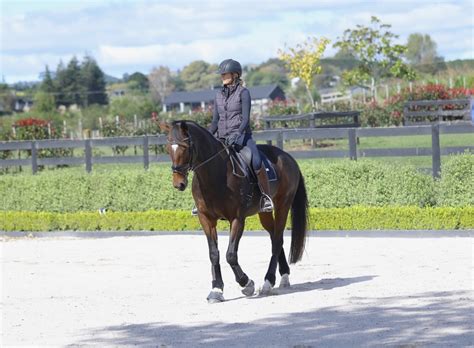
(146, 157)
(352, 144)
(268, 125)
(280, 140)
(88, 153)
(34, 157)
(435, 151)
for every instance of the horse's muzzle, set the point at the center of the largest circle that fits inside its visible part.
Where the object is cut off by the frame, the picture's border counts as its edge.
(181, 186)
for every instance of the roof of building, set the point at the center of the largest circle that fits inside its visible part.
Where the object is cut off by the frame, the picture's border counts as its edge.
(207, 95)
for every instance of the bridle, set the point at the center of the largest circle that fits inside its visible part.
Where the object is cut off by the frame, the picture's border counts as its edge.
(183, 169)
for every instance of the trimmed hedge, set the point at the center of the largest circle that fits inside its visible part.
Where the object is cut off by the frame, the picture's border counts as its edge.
(329, 185)
(353, 218)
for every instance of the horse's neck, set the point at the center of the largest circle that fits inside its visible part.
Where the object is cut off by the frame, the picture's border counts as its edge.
(215, 168)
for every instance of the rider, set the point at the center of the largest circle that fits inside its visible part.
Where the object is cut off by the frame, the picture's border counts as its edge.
(231, 121)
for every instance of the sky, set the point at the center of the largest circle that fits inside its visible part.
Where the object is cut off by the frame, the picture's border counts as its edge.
(125, 36)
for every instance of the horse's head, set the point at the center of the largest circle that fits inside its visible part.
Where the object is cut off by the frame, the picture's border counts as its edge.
(180, 150)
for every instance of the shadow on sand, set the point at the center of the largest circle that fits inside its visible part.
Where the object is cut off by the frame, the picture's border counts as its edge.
(426, 319)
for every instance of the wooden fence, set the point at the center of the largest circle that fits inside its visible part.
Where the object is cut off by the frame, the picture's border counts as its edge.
(319, 119)
(278, 136)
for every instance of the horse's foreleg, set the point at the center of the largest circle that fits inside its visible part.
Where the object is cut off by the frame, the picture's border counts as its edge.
(209, 226)
(236, 230)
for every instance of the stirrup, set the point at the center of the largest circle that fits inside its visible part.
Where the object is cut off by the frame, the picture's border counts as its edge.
(194, 211)
(266, 204)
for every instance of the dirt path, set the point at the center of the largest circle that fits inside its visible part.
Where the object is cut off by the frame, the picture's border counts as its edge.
(150, 291)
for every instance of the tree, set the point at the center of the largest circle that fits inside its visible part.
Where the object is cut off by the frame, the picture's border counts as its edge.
(69, 82)
(421, 53)
(44, 101)
(48, 85)
(200, 75)
(272, 71)
(303, 62)
(161, 83)
(92, 80)
(139, 82)
(377, 55)
(7, 99)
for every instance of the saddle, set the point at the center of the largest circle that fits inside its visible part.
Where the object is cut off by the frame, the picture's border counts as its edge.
(243, 158)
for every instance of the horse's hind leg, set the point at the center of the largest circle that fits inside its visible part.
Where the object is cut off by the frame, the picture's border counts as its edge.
(276, 226)
(236, 230)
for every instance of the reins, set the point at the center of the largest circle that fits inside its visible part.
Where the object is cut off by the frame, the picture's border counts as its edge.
(181, 169)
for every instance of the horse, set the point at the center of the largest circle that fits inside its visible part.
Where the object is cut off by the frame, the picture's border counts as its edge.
(219, 193)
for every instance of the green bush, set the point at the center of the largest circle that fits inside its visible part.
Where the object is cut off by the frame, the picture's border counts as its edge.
(456, 187)
(367, 183)
(334, 185)
(354, 218)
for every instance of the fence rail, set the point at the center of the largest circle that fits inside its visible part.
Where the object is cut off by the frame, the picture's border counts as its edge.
(277, 135)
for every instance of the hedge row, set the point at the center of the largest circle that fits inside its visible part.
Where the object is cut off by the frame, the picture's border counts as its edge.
(353, 218)
(340, 184)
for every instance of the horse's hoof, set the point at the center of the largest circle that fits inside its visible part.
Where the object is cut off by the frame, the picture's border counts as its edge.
(249, 289)
(285, 281)
(215, 296)
(266, 288)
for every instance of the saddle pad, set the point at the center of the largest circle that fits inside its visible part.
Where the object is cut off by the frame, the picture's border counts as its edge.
(271, 173)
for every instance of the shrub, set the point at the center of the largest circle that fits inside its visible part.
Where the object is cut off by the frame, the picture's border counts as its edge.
(456, 186)
(353, 218)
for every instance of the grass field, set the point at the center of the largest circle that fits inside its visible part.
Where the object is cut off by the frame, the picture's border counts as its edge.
(447, 140)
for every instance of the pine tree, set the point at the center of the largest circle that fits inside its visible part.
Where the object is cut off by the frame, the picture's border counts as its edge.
(48, 85)
(93, 80)
(74, 88)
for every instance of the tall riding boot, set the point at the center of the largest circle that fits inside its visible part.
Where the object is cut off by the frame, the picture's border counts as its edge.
(266, 203)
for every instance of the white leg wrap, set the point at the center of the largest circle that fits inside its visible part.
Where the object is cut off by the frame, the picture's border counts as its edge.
(285, 281)
(266, 288)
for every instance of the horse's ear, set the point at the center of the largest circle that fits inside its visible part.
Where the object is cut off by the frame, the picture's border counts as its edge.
(184, 127)
(165, 127)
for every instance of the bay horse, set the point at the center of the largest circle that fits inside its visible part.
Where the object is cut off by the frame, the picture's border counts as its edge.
(221, 194)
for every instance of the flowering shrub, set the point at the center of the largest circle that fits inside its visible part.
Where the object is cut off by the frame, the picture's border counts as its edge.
(38, 129)
(32, 129)
(282, 107)
(390, 112)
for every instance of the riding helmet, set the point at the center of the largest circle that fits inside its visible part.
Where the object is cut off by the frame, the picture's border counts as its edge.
(230, 66)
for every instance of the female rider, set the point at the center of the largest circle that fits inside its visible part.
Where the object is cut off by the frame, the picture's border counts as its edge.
(231, 121)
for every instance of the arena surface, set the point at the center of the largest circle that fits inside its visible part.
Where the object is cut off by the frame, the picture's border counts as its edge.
(151, 291)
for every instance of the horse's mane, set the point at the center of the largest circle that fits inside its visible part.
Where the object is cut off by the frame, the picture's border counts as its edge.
(193, 129)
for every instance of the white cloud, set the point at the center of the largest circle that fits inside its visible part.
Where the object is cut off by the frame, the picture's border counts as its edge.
(126, 36)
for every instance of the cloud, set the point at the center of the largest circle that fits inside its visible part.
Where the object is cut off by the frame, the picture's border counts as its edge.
(125, 36)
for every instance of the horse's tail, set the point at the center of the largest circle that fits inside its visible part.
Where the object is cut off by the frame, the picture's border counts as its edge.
(299, 222)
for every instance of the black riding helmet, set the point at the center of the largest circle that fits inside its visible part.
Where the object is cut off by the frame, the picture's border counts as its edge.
(230, 66)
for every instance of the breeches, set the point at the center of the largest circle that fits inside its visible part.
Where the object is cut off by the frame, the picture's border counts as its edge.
(256, 159)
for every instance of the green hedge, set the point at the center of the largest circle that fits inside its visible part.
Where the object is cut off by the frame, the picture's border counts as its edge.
(340, 184)
(353, 218)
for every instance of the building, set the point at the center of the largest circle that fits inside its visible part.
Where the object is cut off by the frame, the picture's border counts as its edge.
(191, 100)
(23, 104)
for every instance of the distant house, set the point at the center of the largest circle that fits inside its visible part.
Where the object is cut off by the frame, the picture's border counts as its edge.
(191, 100)
(23, 104)
(332, 95)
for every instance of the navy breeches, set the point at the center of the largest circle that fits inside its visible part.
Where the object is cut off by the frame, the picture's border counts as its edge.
(256, 159)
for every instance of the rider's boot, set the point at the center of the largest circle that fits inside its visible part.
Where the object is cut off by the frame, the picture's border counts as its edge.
(266, 203)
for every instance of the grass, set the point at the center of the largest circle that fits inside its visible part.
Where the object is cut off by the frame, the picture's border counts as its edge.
(446, 140)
